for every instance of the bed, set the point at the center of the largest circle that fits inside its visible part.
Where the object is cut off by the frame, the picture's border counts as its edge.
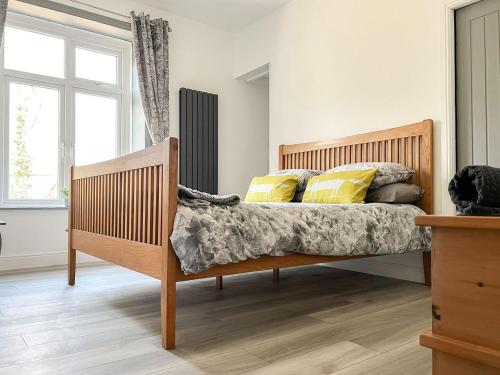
(123, 210)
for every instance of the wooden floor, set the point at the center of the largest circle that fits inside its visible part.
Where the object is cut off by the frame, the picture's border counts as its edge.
(315, 320)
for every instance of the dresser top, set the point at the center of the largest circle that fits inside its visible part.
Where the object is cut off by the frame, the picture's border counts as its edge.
(476, 222)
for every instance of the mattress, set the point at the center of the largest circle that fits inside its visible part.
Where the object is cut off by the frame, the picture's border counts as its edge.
(206, 235)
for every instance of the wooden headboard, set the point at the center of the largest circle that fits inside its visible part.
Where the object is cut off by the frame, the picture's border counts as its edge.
(410, 145)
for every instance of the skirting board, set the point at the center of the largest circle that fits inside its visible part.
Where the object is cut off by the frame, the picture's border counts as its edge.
(11, 263)
(384, 267)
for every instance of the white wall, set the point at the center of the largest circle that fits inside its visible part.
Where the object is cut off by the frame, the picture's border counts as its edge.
(342, 67)
(200, 58)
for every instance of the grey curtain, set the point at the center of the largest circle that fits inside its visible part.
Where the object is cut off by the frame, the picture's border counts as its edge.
(3, 14)
(150, 42)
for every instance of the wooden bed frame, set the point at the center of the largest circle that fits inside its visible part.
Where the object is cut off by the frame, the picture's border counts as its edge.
(123, 210)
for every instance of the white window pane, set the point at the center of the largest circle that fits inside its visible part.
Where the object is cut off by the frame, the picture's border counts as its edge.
(95, 128)
(33, 142)
(33, 52)
(96, 66)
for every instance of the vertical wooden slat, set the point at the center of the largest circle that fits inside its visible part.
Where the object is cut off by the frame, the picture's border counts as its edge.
(76, 200)
(142, 205)
(98, 205)
(155, 205)
(160, 203)
(89, 205)
(147, 215)
(105, 217)
(135, 213)
(95, 200)
(132, 206)
(398, 150)
(377, 151)
(78, 212)
(410, 153)
(91, 211)
(119, 203)
(83, 204)
(403, 151)
(101, 205)
(125, 204)
(110, 205)
(112, 213)
(88, 213)
(417, 160)
(95, 204)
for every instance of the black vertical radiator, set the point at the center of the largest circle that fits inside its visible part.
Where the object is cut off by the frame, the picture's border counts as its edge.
(198, 152)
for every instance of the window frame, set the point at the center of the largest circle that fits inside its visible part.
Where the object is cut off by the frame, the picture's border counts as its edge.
(68, 86)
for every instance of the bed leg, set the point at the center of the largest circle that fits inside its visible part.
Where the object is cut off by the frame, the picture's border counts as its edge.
(276, 274)
(426, 257)
(218, 282)
(71, 266)
(168, 299)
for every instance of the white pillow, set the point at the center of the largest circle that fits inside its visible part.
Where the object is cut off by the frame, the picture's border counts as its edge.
(387, 173)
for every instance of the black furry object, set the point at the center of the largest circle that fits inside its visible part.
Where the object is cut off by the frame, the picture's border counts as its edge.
(475, 191)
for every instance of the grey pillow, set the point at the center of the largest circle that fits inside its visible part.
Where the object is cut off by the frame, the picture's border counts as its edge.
(304, 176)
(395, 193)
(387, 173)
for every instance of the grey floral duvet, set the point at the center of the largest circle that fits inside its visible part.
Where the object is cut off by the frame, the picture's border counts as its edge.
(206, 234)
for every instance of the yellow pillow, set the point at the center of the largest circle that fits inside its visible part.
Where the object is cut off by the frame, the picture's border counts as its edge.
(339, 187)
(272, 189)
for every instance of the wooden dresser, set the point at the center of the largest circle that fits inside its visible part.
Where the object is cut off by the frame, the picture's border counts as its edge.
(465, 336)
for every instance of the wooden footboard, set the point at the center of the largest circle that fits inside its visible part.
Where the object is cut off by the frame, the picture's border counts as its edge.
(122, 211)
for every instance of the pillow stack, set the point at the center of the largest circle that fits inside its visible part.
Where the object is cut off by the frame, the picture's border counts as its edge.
(390, 182)
(372, 182)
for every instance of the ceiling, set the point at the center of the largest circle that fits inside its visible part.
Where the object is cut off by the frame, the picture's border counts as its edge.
(230, 15)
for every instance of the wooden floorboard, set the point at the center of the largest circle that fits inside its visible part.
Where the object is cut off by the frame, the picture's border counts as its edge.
(315, 320)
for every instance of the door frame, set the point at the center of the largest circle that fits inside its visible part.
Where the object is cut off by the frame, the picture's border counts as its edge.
(449, 129)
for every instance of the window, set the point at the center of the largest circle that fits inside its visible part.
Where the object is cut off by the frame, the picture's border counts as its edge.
(66, 97)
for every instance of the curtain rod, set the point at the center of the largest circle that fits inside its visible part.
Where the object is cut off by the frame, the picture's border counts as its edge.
(107, 11)
(82, 13)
